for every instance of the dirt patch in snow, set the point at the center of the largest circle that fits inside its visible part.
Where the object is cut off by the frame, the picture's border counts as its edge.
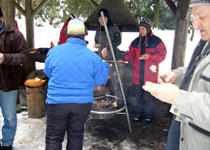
(115, 130)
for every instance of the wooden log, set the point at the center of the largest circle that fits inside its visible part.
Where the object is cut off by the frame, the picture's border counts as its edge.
(35, 102)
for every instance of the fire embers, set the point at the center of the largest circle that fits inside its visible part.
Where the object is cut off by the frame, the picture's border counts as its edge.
(106, 106)
(104, 102)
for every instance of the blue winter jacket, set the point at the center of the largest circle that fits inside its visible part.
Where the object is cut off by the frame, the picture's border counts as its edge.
(73, 70)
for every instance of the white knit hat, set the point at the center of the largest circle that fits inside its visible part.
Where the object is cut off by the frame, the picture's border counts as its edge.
(76, 27)
(199, 3)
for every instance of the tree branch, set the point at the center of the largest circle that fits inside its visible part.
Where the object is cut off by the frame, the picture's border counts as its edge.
(40, 6)
(93, 3)
(185, 10)
(172, 6)
(20, 8)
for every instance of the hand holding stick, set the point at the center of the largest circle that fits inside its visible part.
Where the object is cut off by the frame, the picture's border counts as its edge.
(119, 63)
(153, 69)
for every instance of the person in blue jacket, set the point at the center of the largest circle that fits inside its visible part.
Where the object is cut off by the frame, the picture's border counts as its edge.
(73, 71)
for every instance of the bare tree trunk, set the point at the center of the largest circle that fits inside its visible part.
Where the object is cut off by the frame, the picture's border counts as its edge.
(29, 14)
(30, 66)
(29, 23)
(182, 23)
(93, 3)
(172, 6)
(8, 8)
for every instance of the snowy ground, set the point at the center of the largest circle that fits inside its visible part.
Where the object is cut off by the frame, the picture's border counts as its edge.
(31, 132)
(31, 136)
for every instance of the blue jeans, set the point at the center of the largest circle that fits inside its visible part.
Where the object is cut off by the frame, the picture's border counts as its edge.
(173, 136)
(8, 107)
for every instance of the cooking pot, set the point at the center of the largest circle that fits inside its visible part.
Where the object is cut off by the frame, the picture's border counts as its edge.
(104, 108)
(98, 90)
(103, 114)
(43, 50)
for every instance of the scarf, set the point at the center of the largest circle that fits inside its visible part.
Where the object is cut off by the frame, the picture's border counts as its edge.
(2, 26)
(198, 54)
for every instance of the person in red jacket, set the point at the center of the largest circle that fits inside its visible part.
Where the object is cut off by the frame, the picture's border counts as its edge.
(63, 32)
(145, 51)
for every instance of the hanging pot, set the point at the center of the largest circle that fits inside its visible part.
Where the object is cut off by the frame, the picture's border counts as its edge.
(98, 90)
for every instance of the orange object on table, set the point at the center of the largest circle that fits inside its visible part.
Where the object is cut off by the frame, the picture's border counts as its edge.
(34, 82)
(35, 50)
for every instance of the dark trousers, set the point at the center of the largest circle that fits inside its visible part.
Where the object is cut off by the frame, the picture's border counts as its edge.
(66, 117)
(173, 136)
(114, 87)
(143, 103)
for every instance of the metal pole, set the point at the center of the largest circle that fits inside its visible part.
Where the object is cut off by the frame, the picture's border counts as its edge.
(116, 67)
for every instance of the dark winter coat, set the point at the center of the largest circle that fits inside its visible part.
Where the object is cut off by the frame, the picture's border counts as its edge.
(101, 38)
(13, 47)
(157, 53)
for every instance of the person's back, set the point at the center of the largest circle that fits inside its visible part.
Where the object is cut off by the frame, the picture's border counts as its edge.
(73, 71)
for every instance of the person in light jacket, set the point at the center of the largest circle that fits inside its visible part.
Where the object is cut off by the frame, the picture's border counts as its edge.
(73, 71)
(190, 96)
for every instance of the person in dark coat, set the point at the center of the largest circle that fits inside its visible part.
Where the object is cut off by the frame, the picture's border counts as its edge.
(104, 51)
(13, 53)
(145, 51)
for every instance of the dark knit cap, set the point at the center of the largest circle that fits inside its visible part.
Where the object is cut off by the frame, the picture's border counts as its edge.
(106, 14)
(146, 23)
(199, 2)
(1, 13)
(105, 11)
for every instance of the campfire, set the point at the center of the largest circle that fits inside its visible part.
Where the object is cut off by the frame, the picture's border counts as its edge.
(104, 102)
(105, 107)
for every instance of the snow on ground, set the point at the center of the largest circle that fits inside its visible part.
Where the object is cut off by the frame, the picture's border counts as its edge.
(31, 132)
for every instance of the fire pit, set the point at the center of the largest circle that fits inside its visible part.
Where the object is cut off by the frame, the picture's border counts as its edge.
(105, 107)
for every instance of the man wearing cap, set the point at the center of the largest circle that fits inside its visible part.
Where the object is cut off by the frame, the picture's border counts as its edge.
(190, 96)
(145, 51)
(13, 53)
(73, 71)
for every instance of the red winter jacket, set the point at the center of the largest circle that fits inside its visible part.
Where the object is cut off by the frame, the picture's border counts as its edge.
(63, 37)
(141, 68)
